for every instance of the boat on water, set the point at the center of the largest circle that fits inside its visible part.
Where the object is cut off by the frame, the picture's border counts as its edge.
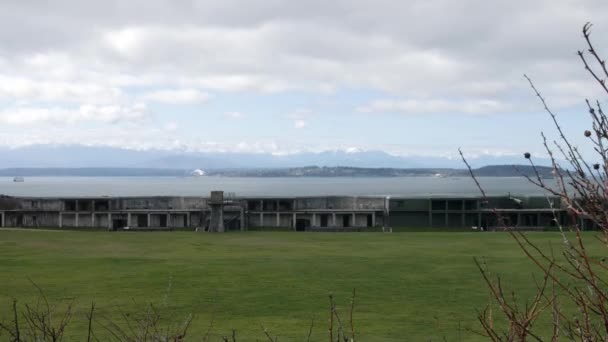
(197, 173)
(18, 179)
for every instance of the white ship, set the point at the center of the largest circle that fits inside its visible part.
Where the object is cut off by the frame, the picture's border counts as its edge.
(197, 173)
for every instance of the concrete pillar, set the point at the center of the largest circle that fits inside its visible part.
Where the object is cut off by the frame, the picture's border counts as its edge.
(430, 213)
(188, 219)
(149, 221)
(93, 219)
(333, 219)
(60, 220)
(386, 214)
(463, 218)
(293, 220)
(278, 223)
(216, 222)
(314, 220)
(129, 220)
(479, 220)
(109, 220)
(518, 220)
(2, 221)
(374, 219)
(76, 223)
(261, 219)
(353, 224)
(242, 219)
(538, 220)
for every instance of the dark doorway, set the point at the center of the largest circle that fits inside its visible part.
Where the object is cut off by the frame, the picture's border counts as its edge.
(324, 220)
(233, 224)
(119, 224)
(346, 221)
(102, 205)
(163, 221)
(370, 220)
(302, 224)
(142, 220)
(70, 205)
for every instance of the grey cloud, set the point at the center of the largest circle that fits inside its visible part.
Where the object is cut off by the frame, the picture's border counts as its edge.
(414, 49)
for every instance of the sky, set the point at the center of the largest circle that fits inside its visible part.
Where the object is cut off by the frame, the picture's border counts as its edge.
(406, 77)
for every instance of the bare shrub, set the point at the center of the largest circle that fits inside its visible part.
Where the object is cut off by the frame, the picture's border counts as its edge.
(149, 323)
(574, 278)
(39, 322)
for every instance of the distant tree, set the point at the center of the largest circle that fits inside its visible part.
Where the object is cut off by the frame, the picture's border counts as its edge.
(573, 291)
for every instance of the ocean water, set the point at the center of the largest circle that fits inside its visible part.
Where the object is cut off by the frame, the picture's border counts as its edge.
(305, 186)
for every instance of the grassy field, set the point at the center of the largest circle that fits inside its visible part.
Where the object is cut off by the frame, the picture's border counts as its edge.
(410, 286)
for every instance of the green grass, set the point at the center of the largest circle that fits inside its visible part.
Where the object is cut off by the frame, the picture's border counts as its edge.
(410, 286)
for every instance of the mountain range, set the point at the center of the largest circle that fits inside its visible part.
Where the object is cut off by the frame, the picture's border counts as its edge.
(78, 156)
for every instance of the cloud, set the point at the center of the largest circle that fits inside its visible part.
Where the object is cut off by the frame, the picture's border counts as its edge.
(300, 117)
(482, 107)
(436, 56)
(467, 49)
(299, 123)
(29, 89)
(90, 113)
(234, 115)
(177, 96)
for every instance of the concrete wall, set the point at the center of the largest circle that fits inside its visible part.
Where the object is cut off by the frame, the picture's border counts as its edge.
(311, 203)
(31, 219)
(41, 204)
(361, 220)
(286, 220)
(369, 203)
(254, 220)
(270, 220)
(178, 220)
(68, 220)
(102, 221)
(9, 203)
(403, 212)
(409, 219)
(85, 220)
(198, 219)
(409, 204)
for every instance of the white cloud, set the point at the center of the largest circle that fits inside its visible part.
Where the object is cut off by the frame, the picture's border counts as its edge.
(234, 115)
(481, 107)
(300, 117)
(299, 123)
(102, 114)
(177, 96)
(171, 126)
(24, 89)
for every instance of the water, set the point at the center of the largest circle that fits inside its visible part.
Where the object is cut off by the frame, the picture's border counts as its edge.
(201, 186)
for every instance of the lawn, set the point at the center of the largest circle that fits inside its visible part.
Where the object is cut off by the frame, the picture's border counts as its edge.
(409, 286)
